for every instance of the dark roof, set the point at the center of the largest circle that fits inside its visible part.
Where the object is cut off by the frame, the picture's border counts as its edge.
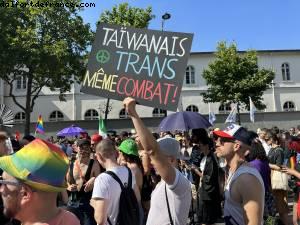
(258, 51)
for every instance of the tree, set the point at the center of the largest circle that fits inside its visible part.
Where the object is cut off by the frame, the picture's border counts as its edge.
(44, 45)
(232, 77)
(125, 15)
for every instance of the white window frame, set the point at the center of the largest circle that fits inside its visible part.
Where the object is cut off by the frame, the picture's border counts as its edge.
(21, 117)
(192, 108)
(286, 72)
(226, 108)
(159, 112)
(56, 117)
(21, 83)
(287, 106)
(93, 115)
(123, 114)
(190, 78)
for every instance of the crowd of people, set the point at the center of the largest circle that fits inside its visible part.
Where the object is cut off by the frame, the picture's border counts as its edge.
(233, 176)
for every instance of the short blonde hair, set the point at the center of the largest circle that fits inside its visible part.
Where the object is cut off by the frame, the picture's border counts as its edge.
(106, 148)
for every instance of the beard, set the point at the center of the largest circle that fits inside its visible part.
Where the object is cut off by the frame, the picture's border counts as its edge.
(10, 210)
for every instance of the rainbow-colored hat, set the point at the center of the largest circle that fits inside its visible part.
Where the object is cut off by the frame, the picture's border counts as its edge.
(39, 164)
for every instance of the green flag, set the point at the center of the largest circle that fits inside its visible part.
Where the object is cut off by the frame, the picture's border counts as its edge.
(102, 128)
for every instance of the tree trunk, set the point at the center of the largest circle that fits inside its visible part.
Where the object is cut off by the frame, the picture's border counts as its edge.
(238, 113)
(28, 105)
(106, 110)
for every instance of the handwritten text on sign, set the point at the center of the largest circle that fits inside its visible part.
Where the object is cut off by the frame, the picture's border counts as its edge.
(145, 64)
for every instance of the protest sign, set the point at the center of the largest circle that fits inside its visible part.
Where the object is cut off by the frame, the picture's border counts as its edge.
(147, 65)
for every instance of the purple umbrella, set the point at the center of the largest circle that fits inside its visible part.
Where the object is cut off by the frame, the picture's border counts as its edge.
(70, 131)
(183, 121)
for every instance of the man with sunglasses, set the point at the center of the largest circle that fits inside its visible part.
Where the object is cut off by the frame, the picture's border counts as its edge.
(30, 183)
(244, 189)
(84, 171)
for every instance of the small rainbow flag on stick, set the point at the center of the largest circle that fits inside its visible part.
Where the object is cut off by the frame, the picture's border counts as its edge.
(40, 126)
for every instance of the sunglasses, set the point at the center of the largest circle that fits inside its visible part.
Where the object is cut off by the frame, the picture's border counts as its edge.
(223, 140)
(9, 182)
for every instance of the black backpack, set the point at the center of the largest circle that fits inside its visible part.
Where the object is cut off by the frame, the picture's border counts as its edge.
(128, 206)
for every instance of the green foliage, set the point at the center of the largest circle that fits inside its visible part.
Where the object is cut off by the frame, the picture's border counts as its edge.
(50, 42)
(232, 77)
(125, 15)
(47, 45)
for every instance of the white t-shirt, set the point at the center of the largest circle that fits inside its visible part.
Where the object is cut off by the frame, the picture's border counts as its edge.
(202, 163)
(107, 187)
(265, 145)
(179, 197)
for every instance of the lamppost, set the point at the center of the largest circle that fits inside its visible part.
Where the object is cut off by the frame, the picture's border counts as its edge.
(164, 17)
(274, 97)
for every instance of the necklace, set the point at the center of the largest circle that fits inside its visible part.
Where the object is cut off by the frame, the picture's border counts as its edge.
(231, 174)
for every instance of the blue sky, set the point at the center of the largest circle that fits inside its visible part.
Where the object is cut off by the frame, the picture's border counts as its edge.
(252, 24)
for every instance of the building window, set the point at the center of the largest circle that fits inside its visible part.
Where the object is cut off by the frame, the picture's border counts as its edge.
(224, 108)
(289, 106)
(190, 75)
(20, 117)
(123, 114)
(21, 82)
(159, 112)
(285, 70)
(192, 108)
(56, 116)
(91, 114)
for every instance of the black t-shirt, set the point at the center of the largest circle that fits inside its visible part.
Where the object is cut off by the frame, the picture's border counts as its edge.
(276, 156)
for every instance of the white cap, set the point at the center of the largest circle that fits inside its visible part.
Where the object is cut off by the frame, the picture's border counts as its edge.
(169, 146)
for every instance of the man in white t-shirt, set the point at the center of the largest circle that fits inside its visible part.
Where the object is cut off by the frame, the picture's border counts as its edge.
(174, 189)
(106, 192)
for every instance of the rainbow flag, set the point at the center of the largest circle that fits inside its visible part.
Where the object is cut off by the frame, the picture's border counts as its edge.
(39, 126)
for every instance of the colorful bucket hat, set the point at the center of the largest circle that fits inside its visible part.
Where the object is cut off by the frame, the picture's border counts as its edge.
(39, 164)
(129, 147)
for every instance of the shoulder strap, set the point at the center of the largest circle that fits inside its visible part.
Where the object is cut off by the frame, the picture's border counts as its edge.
(113, 175)
(87, 174)
(89, 170)
(169, 212)
(71, 172)
(108, 220)
(129, 178)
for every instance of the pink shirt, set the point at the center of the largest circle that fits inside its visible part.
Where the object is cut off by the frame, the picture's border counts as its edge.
(64, 218)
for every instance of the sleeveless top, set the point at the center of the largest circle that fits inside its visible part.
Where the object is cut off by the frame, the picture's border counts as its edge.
(233, 211)
(82, 196)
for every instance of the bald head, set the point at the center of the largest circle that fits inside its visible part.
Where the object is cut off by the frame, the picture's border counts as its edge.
(106, 148)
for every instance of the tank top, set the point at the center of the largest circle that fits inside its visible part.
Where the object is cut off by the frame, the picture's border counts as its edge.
(233, 211)
(82, 196)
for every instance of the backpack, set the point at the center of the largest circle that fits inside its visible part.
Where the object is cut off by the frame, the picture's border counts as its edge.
(128, 206)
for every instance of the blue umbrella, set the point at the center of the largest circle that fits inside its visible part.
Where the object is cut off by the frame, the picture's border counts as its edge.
(183, 121)
(70, 131)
